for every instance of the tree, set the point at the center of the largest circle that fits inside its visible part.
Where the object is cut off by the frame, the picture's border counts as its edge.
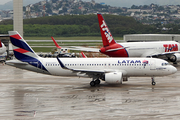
(49, 11)
(134, 7)
(54, 1)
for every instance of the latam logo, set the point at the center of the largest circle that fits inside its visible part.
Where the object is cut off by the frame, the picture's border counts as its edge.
(129, 61)
(106, 31)
(170, 47)
(145, 61)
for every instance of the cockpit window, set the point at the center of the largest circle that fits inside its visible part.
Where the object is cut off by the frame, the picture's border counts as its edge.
(165, 64)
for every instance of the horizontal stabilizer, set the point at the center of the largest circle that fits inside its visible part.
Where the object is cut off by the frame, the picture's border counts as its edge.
(17, 62)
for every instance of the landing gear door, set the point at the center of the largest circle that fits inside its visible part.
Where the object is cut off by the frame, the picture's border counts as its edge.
(153, 65)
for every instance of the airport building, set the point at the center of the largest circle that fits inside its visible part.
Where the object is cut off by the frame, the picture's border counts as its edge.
(151, 37)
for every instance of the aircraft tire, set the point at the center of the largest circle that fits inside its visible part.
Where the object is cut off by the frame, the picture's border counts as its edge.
(153, 83)
(97, 82)
(92, 83)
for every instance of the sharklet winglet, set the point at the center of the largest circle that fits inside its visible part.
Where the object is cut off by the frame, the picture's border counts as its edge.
(62, 65)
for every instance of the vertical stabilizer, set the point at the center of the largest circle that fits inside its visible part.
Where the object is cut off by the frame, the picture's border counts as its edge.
(0, 44)
(21, 49)
(107, 38)
(56, 43)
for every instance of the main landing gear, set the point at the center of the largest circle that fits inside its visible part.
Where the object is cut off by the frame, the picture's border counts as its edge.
(95, 82)
(153, 82)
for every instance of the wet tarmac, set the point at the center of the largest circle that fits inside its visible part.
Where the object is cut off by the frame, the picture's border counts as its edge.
(27, 95)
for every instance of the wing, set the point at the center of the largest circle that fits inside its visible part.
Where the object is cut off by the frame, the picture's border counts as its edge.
(162, 54)
(87, 49)
(169, 53)
(150, 54)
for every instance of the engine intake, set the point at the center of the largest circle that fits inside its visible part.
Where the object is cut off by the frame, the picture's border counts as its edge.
(175, 58)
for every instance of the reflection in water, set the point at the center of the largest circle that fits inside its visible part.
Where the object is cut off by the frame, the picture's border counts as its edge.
(23, 103)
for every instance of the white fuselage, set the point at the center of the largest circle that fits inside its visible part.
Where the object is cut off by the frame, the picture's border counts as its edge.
(128, 66)
(143, 49)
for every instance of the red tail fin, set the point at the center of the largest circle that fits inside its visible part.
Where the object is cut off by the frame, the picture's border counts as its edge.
(0, 44)
(107, 38)
(56, 43)
(84, 56)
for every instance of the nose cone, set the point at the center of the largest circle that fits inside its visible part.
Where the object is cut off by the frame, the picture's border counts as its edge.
(173, 70)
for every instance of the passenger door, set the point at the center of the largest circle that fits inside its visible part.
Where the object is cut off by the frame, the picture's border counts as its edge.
(153, 65)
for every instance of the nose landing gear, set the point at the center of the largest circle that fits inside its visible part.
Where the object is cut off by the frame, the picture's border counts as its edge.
(153, 82)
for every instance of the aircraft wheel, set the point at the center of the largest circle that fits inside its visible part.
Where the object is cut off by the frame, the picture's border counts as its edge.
(92, 83)
(97, 82)
(153, 83)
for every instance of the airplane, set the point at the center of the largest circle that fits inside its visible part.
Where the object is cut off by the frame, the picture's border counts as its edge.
(110, 70)
(160, 49)
(79, 48)
(59, 47)
(2, 48)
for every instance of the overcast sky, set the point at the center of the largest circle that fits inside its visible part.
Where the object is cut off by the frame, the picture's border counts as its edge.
(4, 1)
(126, 3)
(129, 3)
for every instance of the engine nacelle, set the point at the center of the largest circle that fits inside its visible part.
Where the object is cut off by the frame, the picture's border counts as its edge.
(113, 78)
(175, 58)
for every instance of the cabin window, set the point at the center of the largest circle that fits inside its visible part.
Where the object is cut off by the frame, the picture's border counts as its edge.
(165, 64)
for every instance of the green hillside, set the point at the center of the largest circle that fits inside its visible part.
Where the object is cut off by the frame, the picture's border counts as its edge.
(78, 25)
